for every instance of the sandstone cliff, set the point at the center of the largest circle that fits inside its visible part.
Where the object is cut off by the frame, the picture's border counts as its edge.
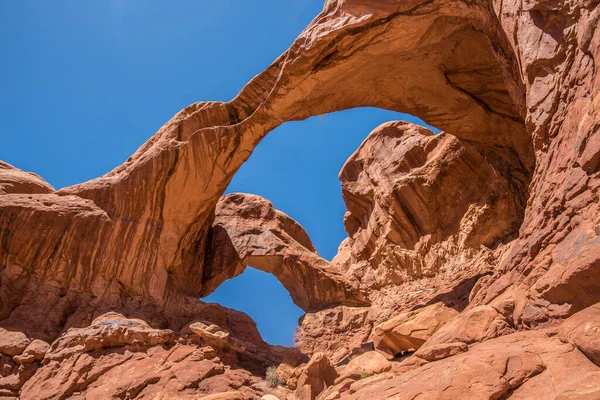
(484, 238)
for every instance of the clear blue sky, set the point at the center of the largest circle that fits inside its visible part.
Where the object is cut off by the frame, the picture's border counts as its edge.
(84, 83)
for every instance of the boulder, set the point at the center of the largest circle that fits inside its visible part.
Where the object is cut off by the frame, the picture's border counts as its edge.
(370, 363)
(110, 330)
(315, 377)
(583, 330)
(13, 343)
(408, 331)
(472, 325)
(35, 351)
(216, 336)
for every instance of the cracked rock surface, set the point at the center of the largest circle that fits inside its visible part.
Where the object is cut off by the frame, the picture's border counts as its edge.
(496, 218)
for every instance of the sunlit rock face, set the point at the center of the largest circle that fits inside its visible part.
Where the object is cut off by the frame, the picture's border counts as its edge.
(249, 231)
(418, 203)
(510, 242)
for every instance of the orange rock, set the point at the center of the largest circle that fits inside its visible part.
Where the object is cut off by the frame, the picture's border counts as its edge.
(249, 231)
(440, 351)
(315, 377)
(473, 325)
(224, 396)
(13, 180)
(13, 343)
(408, 331)
(417, 204)
(216, 336)
(370, 363)
(520, 363)
(583, 330)
(511, 187)
(108, 330)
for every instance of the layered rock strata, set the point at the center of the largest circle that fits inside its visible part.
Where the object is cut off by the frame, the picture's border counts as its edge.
(428, 215)
(514, 85)
(249, 231)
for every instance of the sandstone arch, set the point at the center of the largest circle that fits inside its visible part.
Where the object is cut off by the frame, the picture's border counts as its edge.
(514, 81)
(465, 67)
(249, 231)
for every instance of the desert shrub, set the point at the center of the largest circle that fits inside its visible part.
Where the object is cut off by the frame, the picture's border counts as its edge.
(272, 378)
(365, 375)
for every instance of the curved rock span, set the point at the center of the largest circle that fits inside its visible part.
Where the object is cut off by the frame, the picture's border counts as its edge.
(145, 224)
(249, 231)
(495, 219)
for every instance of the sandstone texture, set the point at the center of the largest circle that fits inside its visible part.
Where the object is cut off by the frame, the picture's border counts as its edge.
(249, 231)
(408, 331)
(478, 249)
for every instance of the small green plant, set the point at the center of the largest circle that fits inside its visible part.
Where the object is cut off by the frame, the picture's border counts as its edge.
(365, 375)
(272, 378)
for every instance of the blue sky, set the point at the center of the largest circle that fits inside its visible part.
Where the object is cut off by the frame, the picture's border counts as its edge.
(84, 83)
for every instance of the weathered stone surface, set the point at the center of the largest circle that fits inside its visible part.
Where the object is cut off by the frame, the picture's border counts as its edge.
(583, 330)
(142, 228)
(408, 331)
(249, 231)
(117, 357)
(440, 351)
(106, 331)
(13, 180)
(369, 363)
(315, 377)
(12, 343)
(511, 188)
(269, 397)
(428, 215)
(216, 336)
(334, 331)
(418, 203)
(35, 351)
(473, 325)
(514, 363)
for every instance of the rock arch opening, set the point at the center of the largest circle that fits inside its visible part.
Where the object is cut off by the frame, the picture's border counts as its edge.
(260, 295)
(148, 225)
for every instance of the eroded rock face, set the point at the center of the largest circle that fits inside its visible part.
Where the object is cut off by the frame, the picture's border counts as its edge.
(514, 187)
(118, 357)
(315, 377)
(428, 215)
(408, 331)
(249, 231)
(522, 364)
(419, 204)
(583, 330)
(142, 228)
(13, 180)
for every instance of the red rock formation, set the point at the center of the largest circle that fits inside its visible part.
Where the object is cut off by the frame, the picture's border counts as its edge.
(142, 228)
(511, 188)
(313, 378)
(408, 331)
(523, 365)
(116, 357)
(419, 204)
(583, 330)
(425, 213)
(249, 231)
